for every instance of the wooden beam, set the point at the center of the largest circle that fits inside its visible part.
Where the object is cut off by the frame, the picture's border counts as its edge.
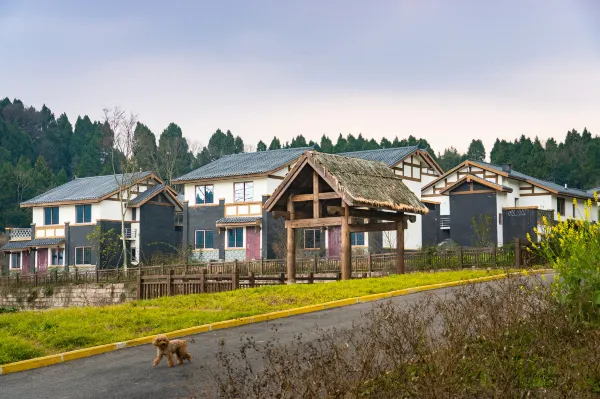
(389, 226)
(372, 214)
(291, 245)
(400, 247)
(316, 205)
(281, 214)
(307, 223)
(309, 197)
(346, 250)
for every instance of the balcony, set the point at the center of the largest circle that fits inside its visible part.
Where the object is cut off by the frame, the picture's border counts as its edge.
(130, 234)
(445, 222)
(243, 209)
(19, 234)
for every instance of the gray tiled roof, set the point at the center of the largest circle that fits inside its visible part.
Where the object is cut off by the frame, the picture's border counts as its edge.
(389, 156)
(238, 219)
(557, 187)
(42, 242)
(85, 188)
(149, 193)
(15, 245)
(247, 163)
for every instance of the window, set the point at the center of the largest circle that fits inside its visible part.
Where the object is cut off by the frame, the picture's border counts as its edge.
(83, 255)
(51, 216)
(205, 194)
(133, 214)
(357, 239)
(312, 239)
(500, 219)
(83, 213)
(205, 239)
(243, 192)
(178, 218)
(57, 256)
(235, 238)
(133, 254)
(560, 206)
(15, 260)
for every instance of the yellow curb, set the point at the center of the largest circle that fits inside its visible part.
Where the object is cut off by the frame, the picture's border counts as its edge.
(95, 350)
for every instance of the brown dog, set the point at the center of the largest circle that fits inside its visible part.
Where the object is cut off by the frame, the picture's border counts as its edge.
(167, 348)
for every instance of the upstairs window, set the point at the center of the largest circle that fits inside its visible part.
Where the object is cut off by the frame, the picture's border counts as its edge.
(51, 216)
(205, 194)
(205, 239)
(243, 192)
(312, 239)
(235, 238)
(560, 206)
(357, 239)
(83, 213)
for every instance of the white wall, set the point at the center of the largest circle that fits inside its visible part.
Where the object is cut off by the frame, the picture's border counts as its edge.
(224, 189)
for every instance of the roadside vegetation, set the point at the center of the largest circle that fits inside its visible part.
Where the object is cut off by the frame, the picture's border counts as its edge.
(28, 334)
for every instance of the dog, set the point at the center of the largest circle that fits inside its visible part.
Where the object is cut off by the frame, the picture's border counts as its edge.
(166, 347)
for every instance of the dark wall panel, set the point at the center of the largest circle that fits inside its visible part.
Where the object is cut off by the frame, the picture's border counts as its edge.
(431, 225)
(204, 218)
(517, 223)
(462, 210)
(157, 230)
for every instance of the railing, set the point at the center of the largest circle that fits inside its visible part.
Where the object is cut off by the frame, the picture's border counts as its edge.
(130, 233)
(444, 222)
(243, 209)
(20, 233)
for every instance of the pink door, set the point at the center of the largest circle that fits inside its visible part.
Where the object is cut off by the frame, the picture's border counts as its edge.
(26, 269)
(334, 241)
(252, 243)
(42, 260)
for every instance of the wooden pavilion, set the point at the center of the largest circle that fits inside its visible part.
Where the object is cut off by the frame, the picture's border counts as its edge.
(325, 190)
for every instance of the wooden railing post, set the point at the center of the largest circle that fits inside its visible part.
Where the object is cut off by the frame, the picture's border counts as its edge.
(495, 255)
(203, 281)
(170, 281)
(251, 279)
(210, 267)
(460, 257)
(76, 275)
(281, 278)
(262, 266)
(315, 264)
(139, 286)
(517, 252)
(35, 279)
(311, 278)
(370, 263)
(235, 277)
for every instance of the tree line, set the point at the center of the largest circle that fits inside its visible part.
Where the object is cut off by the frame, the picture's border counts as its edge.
(39, 151)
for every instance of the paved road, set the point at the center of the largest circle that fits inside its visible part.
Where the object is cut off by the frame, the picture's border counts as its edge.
(128, 373)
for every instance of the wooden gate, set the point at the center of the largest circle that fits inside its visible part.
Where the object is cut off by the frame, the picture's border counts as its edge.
(158, 285)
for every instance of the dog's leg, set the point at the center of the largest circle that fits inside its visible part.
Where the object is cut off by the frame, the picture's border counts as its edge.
(157, 359)
(170, 359)
(187, 356)
(179, 358)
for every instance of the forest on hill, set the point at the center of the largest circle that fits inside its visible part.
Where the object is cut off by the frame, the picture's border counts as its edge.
(39, 151)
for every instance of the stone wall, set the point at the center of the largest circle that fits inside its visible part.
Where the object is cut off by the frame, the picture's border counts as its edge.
(233, 254)
(47, 297)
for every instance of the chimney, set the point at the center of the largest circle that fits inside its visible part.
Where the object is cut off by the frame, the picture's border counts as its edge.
(566, 185)
(506, 167)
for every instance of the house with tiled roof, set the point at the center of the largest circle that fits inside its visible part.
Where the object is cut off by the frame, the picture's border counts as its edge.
(510, 203)
(63, 217)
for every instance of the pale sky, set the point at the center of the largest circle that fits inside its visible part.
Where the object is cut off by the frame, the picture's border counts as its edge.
(447, 71)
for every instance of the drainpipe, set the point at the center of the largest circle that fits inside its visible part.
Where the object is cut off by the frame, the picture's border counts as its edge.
(67, 255)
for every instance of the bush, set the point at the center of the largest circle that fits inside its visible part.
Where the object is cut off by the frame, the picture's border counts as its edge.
(510, 339)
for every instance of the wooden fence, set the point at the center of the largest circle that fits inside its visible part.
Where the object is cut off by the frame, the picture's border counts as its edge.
(216, 276)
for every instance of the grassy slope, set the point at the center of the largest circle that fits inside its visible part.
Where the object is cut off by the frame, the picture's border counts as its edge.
(29, 334)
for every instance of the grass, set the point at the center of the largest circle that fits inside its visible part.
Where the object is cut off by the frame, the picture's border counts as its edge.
(28, 334)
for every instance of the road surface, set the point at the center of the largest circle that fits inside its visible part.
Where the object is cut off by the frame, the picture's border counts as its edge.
(128, 373)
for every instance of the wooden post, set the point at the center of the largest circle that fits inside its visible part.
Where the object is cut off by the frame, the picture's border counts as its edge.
(400, 247)
(235, 277)
(139, 286)
(316, 206)
(291, 246)
(251, 279)
(262, 266)
(35, 279)
(517, 252)
(282, 278)
(346, 250)
(460, 257)
(76, 275)
(170, 282)
(495, 255)
(311, 278)
(98, 277)
(370, 263)
(315, 264)
(203, 281)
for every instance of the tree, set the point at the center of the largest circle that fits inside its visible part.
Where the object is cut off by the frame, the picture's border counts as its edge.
(326, 145)
(476, 151)
(125, 170)
(261, 146)
(238, 145)
(145, 152)
(275, 144)
(449, 159)
(172, 153)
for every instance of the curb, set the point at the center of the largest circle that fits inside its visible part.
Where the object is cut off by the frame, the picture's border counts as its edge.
(96, 350)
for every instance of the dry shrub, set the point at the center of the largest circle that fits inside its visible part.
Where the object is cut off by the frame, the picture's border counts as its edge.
(509, 339)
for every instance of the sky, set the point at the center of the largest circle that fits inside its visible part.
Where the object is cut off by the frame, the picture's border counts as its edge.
(445, 71)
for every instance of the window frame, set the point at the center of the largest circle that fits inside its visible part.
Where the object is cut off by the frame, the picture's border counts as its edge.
(60, 256)
(19, 256)
(354, 241)
(560, 205)
(83, 248)
(235, 237)
(49, 215)
(316, 242)
(204, 245)
(204, 186)
(134, 214)
(244, 191)
(83, 207)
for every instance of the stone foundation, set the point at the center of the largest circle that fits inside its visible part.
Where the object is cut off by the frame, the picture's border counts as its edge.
(48, 297)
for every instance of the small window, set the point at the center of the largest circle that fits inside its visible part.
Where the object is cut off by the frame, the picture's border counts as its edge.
(357, 239)
(205, 194)
(243, 192)
(83, 255)
(500, 219)
(178, 218)
(560, 206)
(312, 239)
(57, 256)
(134, 214)
(133, 255)
(51, 216)
(84, 213)
(15, 260)
(235, 238)
(205, 239)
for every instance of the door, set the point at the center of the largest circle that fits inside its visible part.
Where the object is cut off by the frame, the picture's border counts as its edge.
(334, 241)
(25, 265)
(42, 260)
(252, 243)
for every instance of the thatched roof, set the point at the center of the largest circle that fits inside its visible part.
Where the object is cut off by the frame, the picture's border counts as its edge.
(360, 183)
